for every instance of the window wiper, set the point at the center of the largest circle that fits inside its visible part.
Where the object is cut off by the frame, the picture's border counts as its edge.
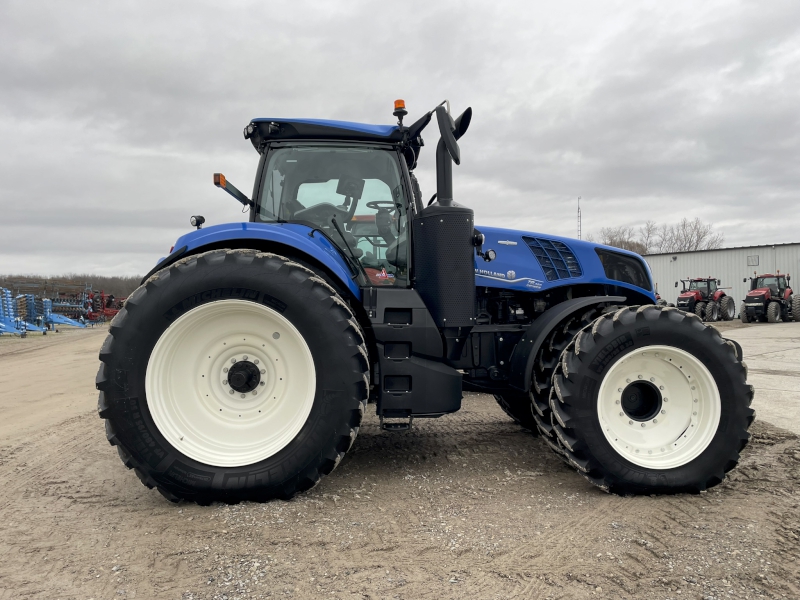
(349, 249)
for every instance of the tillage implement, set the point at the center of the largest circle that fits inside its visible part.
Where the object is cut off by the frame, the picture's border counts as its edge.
(242, 366)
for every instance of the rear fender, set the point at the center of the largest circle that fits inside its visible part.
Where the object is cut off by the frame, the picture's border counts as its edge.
(718, 295)
(283, 238)
(525, 353)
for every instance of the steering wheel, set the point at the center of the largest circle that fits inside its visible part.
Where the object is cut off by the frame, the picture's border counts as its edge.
(325, 210)
(378, 204)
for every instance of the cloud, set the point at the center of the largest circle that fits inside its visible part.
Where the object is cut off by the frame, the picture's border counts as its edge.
(113, 116)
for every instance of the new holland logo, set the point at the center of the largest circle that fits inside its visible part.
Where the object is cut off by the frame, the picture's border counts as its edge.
(511, 274)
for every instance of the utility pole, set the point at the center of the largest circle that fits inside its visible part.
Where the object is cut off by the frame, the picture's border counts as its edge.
(579, 217)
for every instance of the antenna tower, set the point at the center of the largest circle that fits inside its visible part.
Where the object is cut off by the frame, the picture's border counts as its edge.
(579, 217)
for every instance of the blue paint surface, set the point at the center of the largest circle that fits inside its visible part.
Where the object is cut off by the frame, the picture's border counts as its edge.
(515, 268)
(289, 234)
(379, 130)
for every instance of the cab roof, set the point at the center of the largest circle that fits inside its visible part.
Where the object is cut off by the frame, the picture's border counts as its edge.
(261, 130)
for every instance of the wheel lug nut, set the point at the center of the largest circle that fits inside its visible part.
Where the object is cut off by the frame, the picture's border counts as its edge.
(630, 422)
(242, 395)
(233, 361)
(644, 424)
(263, 371)
(695, 413)
(224, 382)
(627, 381)
(663, 412)
(666, 399)
(652, 379)
(616, 402)
(661, 387)
(230, 391)
(619, 389)
(655, 421)
(255, 362)
(255, 392)
(225, 370)
(695, 400)
(621, 414)
(639, 377)
(244, 357)
(262, 383)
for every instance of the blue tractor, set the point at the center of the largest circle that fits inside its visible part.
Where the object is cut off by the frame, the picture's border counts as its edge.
(241, 368)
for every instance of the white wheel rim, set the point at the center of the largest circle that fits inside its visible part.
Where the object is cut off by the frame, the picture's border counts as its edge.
(197, 413)
(686, 420)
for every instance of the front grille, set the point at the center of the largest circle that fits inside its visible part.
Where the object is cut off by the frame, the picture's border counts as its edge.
(556, 258)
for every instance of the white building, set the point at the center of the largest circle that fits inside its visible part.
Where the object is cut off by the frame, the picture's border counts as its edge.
(729, 265)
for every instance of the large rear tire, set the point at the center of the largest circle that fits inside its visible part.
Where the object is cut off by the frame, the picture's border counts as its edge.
(796, 308)
(651, 401)
(774, 312)
(233, 375)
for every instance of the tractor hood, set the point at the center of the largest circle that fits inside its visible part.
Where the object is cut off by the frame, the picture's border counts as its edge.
(532, 261)
(693, 294)
(758, 292)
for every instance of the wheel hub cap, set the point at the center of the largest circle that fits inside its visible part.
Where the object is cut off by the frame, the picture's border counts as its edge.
(244, 377)
(641, 401)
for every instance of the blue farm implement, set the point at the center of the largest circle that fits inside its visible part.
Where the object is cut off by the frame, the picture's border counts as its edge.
(241, 367)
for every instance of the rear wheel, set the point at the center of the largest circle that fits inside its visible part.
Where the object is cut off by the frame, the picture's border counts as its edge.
(700, 309)
(774, 312)
(651, 401)
(743, 313)
(233, 375)
(727, 308)
(712, 312)
(796, 308)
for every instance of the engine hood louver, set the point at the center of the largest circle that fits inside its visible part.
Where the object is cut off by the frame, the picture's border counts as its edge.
(556, 258)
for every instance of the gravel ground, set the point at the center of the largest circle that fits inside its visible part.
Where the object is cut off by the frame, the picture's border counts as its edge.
(468, 505)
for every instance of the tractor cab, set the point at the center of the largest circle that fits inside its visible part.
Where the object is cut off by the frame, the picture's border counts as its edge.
(352, 194)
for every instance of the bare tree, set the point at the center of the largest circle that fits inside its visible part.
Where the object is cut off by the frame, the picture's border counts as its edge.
(686, 236)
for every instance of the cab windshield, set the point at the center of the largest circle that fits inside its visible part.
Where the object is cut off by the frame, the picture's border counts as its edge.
(352, 194)
(700, 286)
(774, 283)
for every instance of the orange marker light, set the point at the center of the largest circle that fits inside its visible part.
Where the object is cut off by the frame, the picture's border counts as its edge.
(399, 104)
(219, 180)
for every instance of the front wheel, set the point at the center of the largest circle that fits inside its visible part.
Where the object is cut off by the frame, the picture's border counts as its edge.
(712, 312)
(233, 375)
(727, 308)
(743, 313)
(774, 312)
(650, 400)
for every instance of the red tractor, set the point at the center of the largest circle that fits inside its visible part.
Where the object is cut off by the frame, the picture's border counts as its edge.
(770, 299)
(706, 299)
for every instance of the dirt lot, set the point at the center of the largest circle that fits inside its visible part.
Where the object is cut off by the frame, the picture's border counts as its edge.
(467, 506)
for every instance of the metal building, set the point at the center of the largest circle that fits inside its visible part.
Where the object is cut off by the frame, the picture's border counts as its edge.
(729, 265)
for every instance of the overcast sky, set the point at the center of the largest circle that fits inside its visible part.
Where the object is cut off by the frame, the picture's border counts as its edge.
(114, 115)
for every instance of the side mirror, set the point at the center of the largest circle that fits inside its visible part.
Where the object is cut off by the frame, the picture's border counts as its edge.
(719, 282)
(676, 284)
(462, 123)
(447, 128)
(744, 280)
